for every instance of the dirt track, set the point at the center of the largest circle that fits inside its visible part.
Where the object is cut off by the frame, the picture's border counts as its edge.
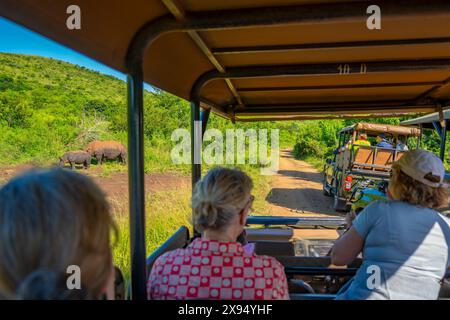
(115, 185)
(297, 190)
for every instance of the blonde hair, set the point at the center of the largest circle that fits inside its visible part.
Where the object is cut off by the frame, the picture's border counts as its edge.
(404, 188)
(49, 220)
(218, 197)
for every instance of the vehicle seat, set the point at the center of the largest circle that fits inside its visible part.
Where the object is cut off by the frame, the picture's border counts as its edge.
(363, 156)
(178, 240)
(119, 284)
(444, 293)
(269, 234)
(384, 159)
(275, 248)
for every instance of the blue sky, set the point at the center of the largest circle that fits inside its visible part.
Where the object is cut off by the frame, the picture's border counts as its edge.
(17, 39)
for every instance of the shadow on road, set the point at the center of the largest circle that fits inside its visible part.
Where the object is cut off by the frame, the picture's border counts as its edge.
(299, 200)
(309, 176)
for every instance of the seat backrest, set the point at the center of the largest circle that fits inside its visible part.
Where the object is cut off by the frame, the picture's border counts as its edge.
(269, 234)
(363, 156)
(384, 159)
(178, 240)
(275, 248)
(399, 155)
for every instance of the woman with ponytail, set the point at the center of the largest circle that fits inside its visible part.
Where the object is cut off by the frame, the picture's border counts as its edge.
(55, 228)
(216, 265)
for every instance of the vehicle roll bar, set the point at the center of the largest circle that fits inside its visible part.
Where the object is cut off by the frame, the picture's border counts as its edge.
(335, 223)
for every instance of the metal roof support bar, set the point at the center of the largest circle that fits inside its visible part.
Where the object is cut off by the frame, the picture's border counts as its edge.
(327, 109)
(196, 142)
(443, 139)
(204, 117)
(331, 45)
(323, 117)
(343, 86)
(136, 185)
(177, 10)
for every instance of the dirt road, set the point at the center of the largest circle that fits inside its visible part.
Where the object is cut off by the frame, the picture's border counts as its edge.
(297, 190)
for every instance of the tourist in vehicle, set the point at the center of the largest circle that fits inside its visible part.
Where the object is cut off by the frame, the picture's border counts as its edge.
(216, 266)
(405, 240)
(361, 141)
(55, 228)
(401, 144)
(383, 142)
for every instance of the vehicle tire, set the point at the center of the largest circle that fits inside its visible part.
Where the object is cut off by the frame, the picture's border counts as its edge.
(339, 204)
(326, 188)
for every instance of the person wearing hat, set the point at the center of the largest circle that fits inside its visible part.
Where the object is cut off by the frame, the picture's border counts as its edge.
(361, 141)
(382, 142)
(405, 241)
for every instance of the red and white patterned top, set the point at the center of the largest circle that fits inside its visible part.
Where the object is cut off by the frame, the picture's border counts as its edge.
(209, 269)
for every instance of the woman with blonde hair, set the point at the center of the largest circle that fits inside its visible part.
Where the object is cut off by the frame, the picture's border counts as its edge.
(54, 224)
(405, 240)
(216, 266)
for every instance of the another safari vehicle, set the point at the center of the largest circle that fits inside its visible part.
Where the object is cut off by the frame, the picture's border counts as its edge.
(356, 166)
(257, 60)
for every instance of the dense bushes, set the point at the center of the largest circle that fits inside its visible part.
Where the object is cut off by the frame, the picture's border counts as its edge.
(317, 138)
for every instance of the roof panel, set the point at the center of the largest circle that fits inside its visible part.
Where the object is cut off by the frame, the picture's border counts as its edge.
(208, 5)
(333, 95)
(107, 26)
(349, 79)
(381, 53)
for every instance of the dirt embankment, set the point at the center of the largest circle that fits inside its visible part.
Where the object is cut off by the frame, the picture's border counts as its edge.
(115, 185)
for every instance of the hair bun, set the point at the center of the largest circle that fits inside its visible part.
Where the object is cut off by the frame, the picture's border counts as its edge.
(210, 214)
(39, 285)
(45, 284)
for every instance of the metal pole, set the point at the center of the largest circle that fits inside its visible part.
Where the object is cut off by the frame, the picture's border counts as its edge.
(204, 116)
(443, 139)
(136, 183)
(196, 140)
(419, 139)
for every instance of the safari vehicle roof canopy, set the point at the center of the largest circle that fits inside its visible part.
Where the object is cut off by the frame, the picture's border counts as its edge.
(252, 60)
(382, 128)
(427, 121)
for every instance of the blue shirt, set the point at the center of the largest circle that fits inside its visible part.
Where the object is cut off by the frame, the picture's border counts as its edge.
(408, 244)
(384, 144)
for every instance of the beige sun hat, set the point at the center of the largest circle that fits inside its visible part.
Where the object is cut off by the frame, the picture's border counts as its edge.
(423, 166)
